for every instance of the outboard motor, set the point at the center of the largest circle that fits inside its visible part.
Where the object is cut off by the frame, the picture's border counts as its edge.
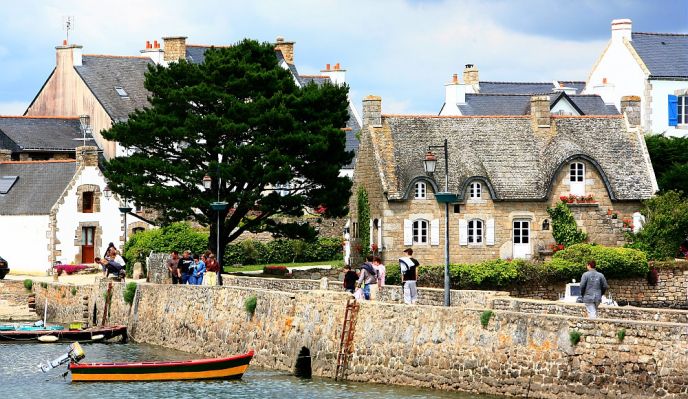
(74, 355)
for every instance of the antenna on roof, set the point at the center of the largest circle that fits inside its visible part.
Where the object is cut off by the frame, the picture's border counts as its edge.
(68, 24)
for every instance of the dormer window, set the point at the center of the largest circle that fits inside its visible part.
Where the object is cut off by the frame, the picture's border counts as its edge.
(475, 191)
(420, 190)
(121, 92)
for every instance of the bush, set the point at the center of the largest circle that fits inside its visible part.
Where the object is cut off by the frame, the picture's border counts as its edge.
(574, 337)
(666, 226)
(251, 252)
(250, 305)
(129, 292)
(621, 334)
(564, 228)
(485, 318)
(612, 262)
(178, 236)
(28, 284)
(275, 270)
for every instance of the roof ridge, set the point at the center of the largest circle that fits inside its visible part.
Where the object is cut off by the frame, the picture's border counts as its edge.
(505, 94)
(143, 57)
(660, 34)
(521, 83)
(314, 76)
(614, 116)
(455, 116)
(209, 45)
(42, 161)
(38, 117)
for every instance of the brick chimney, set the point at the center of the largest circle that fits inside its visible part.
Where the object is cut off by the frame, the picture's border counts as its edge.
(630, 105)
(622, 29)
(68, 56)
(287, 49)
(372, 111)
(86, 156)
(154, 52)
(5, 155)
(454, 93)
(174, 48)
(471, 78)
(336, 74)
(539, 111)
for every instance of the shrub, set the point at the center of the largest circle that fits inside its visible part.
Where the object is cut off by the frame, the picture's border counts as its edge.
(129, 292)
(612, 262)
(178, 236)
(564, 228)
(485, 318)
(250, 305)
(574, 337)
(665, 228)
(363, 209)
(275, 270)
(28, 284)
(44, 284)
(283, 251)
(621, 334)
(74, 291)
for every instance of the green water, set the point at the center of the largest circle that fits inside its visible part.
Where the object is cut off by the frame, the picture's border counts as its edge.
(21, 378)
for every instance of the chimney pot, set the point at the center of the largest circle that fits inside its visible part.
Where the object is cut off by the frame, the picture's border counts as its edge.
(604, 81)
(64, 42)
(279, 39)
(327, 67)
(455, 78)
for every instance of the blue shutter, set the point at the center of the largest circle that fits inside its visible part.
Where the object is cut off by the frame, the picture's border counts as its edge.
(673, 110)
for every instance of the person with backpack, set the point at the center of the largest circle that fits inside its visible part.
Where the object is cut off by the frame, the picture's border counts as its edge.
(409, 274)
(350, 278)
(368, 279)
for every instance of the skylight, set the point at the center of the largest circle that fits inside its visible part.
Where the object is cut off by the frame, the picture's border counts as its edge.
(122, 93)
(6, 183)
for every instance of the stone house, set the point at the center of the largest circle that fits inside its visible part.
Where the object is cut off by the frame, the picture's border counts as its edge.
(504, 171)
(649, 68)
(56, 210)
(27, 138)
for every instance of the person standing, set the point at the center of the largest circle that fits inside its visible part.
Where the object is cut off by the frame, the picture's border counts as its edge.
(197, 271)
(172, 267)
(592, 286)
(381, 271)
(350, 278)
(184, 265)
(368, 279)
(212, 267)
(409, 274)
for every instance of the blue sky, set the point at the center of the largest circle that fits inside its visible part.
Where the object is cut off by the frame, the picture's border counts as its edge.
(404, 51)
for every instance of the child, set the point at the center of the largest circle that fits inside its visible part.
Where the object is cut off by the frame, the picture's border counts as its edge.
(350, 278)
(381, 272)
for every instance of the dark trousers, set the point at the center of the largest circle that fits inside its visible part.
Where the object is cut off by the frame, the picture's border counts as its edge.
(175, 279)
(185, 278)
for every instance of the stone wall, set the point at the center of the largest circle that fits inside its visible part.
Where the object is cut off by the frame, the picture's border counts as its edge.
(517, 354)
(318, 273)
(157, 269)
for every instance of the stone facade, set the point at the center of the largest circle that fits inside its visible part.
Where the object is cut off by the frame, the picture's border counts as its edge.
(175, 48)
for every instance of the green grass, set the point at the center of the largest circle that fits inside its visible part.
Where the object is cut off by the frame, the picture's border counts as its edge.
(248, 268)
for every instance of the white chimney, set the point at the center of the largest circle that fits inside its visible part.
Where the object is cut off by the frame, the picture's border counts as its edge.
(336, 74)
(68, 55)
(605, 90)
(621, 29)
(154, 52)
(454, 93)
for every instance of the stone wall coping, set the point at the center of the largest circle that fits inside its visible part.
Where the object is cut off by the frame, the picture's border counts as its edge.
(561, 303)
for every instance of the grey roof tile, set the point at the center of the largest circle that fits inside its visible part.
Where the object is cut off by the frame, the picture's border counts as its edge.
(103, 73)
(664, 54)
(518, 163)
(40, 134)
(513, 104)
(530, 88)
(592, 104)
(38, 187)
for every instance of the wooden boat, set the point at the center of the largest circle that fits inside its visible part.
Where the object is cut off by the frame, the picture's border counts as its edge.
(89, 334)
(204, 369)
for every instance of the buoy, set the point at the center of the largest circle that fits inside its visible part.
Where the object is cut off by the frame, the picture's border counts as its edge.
(97, 337)
(48, 338)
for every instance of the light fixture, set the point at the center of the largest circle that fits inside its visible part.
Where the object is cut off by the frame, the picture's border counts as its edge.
(545, 224)
(430, 162)
(107, 193)
(85, 121)
(207, 182)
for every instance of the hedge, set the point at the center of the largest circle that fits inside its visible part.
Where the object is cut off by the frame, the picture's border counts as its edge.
(250, 252)
(611, 261)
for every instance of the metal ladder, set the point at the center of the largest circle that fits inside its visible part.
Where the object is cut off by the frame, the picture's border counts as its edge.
(347, 338)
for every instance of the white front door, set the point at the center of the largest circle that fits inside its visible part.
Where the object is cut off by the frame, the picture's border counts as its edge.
(521, 234)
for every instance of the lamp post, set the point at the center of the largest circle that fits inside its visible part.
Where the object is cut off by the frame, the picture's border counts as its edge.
(218, 207)
(429, 164)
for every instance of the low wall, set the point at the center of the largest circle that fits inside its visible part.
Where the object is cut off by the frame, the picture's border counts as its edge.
(518, 354)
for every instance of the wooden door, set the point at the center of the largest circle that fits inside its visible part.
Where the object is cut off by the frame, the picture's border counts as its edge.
(87, 239)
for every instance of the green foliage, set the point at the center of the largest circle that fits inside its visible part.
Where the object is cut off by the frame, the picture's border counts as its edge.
(611, 261)
(28, 284)
(666, 226)
(250, 305)
(74, 291)
(621, 334)
(564, 228)
(574, 337)
(669, 157)
(670, 265)
(239, 118)
(363, 219)
(129, 292)
(44, 284)
(485, 318)
(283, 251)
(178, 236)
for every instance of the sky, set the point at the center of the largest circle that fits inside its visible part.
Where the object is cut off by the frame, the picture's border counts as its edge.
(402, 50)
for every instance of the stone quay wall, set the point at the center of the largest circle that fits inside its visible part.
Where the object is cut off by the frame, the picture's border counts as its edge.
(517, 354)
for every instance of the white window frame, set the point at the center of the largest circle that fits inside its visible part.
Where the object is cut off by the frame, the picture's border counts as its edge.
(682, 109)
(475, 191)
(420, 230)
(577, 178)
(476, 232)
(420, 190)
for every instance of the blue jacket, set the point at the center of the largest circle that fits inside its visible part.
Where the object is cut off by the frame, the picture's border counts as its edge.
(199, 269)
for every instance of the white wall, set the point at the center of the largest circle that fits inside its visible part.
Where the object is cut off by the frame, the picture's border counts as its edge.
(563, 105)
(24, 243)
(660, 107)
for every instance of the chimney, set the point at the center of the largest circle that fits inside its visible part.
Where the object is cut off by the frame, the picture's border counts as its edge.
(174, 48)
(5, 155)
(454, 93)
(154, 52)
(86, 156)
(621, 29)
(372, 111)
(471, 79)
(539, 111)
(68, 55)
(559, 87)
(630, 105)
(605, 90)
(287, 49)
(337, 75)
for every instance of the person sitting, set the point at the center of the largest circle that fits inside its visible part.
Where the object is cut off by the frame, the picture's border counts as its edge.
(113, 267)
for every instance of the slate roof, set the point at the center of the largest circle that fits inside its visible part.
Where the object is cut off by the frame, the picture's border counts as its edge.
(664, 54)
(530, 88)
(102, 73)
(21, 134)
(518, 163)
(39, 186)
(502, 104)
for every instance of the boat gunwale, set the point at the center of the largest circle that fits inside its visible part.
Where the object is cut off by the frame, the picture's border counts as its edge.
(156, 364)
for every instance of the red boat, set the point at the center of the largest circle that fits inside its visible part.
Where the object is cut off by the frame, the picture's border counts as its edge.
(90, 334)
(203, 369)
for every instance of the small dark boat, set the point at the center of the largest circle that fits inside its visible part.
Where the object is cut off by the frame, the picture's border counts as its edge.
(204, 369)
(51, 334)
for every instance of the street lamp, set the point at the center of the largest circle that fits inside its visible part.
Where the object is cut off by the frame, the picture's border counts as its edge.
(125, 209)
(218, 207)
(429, 164)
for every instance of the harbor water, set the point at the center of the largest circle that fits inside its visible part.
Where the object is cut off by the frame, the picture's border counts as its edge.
(20, 377)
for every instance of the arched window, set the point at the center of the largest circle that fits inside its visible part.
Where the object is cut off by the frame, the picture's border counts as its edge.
(475, 190)
(475, 231)
(420, 231)
(420, 190)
